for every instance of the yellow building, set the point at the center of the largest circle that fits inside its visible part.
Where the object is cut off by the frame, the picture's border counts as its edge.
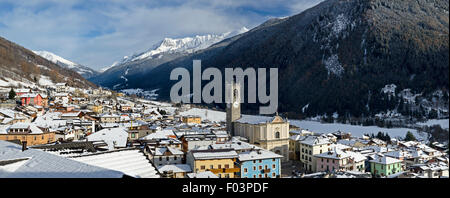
(270, 133)
(97, 109)
(221, 162)
(311, 146)
(191, 119)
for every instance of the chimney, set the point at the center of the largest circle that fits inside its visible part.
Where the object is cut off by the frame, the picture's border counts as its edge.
(24, 146)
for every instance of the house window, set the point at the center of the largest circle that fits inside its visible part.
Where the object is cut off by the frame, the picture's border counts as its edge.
(260, 167)
(211, 166)
(227, 166)
(202, 167)
(220, 166)
(273, 166)
(273, 175)
(245, 170)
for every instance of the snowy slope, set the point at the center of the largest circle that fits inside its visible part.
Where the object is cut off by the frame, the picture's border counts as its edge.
(82, 70)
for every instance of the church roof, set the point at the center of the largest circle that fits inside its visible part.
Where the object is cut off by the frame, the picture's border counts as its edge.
(251, 119)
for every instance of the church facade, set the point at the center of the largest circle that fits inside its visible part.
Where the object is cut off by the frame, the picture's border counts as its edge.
(270, 133)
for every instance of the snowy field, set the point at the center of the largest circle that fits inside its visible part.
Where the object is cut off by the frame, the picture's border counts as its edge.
(443, 122)
(206, 114)
(355, 130)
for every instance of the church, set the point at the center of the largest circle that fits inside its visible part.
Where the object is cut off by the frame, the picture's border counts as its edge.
(270, 133)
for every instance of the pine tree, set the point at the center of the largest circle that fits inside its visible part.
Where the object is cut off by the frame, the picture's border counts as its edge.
(12, 94)
(410, 137)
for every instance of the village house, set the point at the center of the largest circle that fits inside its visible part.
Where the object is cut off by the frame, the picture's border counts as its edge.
(195, 139)
(259, 164)
(28, 132)
(109, 118)
(61, 87)
(311, 146)
(31, 99)
(136, 129)
(175, 170)
(338, 160)
(165, 156)
(385, 166)
(10, 117)
(20, 92)
(219, 162)
(191, 119)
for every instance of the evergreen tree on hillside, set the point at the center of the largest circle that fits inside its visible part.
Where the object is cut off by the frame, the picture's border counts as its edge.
(410, 137)
(12, 94)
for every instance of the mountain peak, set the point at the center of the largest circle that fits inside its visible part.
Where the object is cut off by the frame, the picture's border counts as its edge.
(80, 69)
(177, 45)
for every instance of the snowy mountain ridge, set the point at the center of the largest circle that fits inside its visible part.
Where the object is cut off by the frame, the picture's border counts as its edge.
(80, 69)
(180, 45)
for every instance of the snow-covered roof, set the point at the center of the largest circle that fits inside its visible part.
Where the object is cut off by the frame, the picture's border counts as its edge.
(29, 95)
(385, 160)
(176, 168)
(114, 137)
(206, 174)
(164, 134)
(333, 154)
(161, 150)
(250, 119)
(258, 155)
(214, 154)
(316, 140)
(39, 164)
(130, 162)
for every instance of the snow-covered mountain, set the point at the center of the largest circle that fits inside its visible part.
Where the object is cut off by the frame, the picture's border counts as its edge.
(84, 71)
(20, 67)
(180, 45)
(116, 76)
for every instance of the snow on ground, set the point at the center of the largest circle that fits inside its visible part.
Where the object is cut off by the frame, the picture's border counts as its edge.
(355, 130)
(442, 122)
(333, 65)
(45, 81)
(206, 114)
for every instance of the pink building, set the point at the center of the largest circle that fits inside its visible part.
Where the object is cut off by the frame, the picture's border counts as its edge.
(338, 160)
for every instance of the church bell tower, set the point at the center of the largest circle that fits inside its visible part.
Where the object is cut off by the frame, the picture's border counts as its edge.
(234, 106)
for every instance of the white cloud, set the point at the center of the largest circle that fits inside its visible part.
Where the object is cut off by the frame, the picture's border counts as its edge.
(67, 27)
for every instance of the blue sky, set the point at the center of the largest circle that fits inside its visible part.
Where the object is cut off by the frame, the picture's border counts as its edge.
(96, 33)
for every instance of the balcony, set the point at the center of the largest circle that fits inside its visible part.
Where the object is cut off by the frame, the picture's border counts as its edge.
(225, 170)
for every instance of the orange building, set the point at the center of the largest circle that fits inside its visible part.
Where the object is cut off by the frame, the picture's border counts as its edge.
(28, 132)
